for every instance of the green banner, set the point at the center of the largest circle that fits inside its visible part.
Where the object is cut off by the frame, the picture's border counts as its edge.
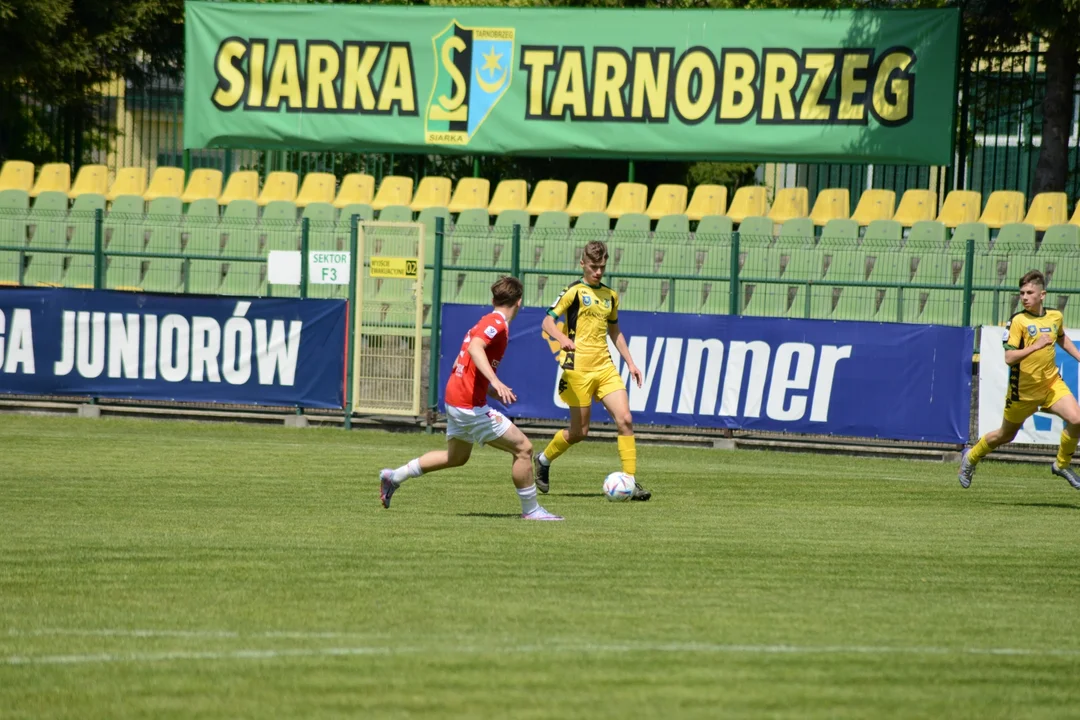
(785, 85)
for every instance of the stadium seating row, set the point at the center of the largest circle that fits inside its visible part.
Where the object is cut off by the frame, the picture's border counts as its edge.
(792, 275)
(357, 189)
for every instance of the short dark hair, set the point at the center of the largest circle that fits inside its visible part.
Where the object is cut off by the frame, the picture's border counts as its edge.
(595, 252)
(1035, 277)
(506, 291)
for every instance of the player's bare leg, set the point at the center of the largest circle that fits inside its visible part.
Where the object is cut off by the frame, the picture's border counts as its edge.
(1068, 410)
(987, 443)
(456, 454)
(579, 430)
(514, 442)
(617, 404)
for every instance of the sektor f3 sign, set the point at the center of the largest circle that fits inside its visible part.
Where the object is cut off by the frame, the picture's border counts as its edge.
(878, 86)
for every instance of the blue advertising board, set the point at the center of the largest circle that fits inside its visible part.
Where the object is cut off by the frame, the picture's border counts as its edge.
(176, 348)
(874, 380)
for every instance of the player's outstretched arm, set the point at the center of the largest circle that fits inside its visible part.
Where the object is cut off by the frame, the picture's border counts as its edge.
(479, 358)
(624, 351)
(1068, 345)
(552, 329)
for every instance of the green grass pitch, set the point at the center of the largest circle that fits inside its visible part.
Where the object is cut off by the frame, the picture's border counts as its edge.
(172, 569)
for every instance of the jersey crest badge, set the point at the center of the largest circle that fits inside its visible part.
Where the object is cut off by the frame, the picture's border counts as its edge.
(1032, 330)
(586, 300)
(491, 331)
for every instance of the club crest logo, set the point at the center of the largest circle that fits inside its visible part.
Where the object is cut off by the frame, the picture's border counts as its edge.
(473, 70)
(586, 300)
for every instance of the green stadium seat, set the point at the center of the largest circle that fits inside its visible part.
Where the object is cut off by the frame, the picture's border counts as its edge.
(755, 231)
(883, 234)
(125, 231)
(46, 228)
(14, 209)
(630, 248)
(714, 260)
(427, 218)
(592, 226)
(714, 228)
(641, 294)
(396, 213)
(1059, 239)
(766, 299)
(672, 229)
(1014, 238)
(364, 211)
(757, 263)
(800, 264)
(679, 259)
(163, 236)
(974, 231)
(796, 232)
(470, 243)
(839, 232)
(928, 234)
(553, 220)
(203, 236)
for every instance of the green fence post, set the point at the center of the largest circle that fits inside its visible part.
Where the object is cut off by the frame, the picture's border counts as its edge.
(671, 296)
(630, 172)
(436, 321)
(354, 266)
(187, 165)
(515, 253)
(475, 166)
(733, 300)
(99, 250)
(969, 269)
(305, 242)
(227, 171)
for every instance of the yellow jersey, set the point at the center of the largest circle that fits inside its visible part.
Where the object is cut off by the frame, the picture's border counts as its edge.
(589, 310)
(1030, 378)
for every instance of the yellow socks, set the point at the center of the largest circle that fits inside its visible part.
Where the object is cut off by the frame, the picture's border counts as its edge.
(1066, 449)
(556, 447)
(982, 449)
(628, 454)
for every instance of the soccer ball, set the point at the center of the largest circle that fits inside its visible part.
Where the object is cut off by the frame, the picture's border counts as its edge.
(618, 486)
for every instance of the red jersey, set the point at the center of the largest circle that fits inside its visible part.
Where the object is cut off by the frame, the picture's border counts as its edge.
(467, 388)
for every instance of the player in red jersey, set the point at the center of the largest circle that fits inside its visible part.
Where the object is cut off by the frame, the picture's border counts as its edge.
(469, 419)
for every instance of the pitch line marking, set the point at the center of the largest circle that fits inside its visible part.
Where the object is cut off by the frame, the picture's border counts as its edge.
(584, 648)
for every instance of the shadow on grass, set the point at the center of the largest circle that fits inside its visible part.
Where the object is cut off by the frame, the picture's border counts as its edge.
(579, 495)
(1059, 506)
(495, 516)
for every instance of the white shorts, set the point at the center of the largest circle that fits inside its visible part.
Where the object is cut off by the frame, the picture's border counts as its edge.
(476, 425)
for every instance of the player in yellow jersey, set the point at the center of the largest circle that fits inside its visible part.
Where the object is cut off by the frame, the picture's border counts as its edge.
(1034, 381)
(592, 315)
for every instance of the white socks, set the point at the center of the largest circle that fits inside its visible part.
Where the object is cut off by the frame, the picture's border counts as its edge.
(543, 460)
(406, 471)
(528, 499)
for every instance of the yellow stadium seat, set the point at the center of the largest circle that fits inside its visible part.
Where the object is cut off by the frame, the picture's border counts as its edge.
(789, 204)
(628, 198)
(509, 195)
(91, 179)
(168, 182)
(831, 204)
(129, 181)
(433, 191)
(749, 201)
(707, 200)
(318, 187)
(17, 175)
(916, 206)
(1002, 208)
(53, 177)
(470, 194)
(874, 205)
(667, 200)
(960, 207)
(588, 197)
(394, 190)
(1048, 208)
(279, 185)
(356, 189)
(548, 196)
(242, 185)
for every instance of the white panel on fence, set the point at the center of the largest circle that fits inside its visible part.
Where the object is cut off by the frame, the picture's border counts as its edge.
(1040, 429)
(283, 267)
